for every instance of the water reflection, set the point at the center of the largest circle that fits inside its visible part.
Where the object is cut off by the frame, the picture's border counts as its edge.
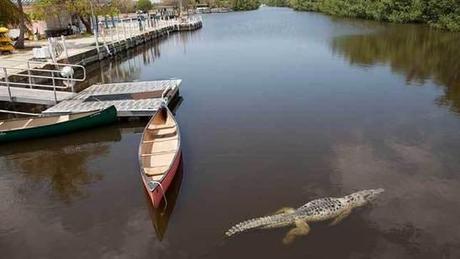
(418, 190)
(127, 66)
(160, 216)
(67, 157)
(418, 53)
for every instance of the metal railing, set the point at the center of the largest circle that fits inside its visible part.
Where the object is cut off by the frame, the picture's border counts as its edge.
(59, 77)
(126, 28)
(167, 89)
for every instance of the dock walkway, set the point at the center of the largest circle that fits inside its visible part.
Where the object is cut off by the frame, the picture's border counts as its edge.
(83, 52)
(131, 99)
(36, 96)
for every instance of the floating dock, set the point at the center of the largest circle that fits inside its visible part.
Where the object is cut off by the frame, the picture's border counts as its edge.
(18, 78)
(37, 96)
(132, 99)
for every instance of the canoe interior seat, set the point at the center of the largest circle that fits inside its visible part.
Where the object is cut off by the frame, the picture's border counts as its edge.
(159, 145)
(14, 124)
(160, 133)
(169, 123)
(158, 140)
(42, 121)
(154, 153)
(156, 177)
(74, 116)
(63, 118)
(151, 171)
(27, 123)
(166, 131)
(158, 160)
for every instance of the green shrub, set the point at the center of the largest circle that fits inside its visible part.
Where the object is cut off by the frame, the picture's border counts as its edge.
(444, 14)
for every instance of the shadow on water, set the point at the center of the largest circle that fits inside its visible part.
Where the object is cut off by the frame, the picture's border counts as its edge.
(418, 53)
(160, 216)
(128, 65)
(66, 158)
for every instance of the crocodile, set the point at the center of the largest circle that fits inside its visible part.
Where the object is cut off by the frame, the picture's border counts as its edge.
(321, 209)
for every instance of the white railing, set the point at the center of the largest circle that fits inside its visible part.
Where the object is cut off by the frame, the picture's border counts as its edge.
(126, 28)
(61, 77)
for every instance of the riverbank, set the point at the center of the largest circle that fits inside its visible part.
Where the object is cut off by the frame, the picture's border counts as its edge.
(84, 50)
(443, 15)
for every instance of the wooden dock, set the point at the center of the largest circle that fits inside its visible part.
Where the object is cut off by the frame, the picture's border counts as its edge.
(136, 99)
(36, 96)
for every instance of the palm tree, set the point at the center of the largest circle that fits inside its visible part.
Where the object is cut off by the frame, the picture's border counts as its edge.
(14, 14)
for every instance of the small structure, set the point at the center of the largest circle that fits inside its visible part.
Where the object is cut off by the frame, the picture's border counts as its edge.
(202, 8)
(5, 42)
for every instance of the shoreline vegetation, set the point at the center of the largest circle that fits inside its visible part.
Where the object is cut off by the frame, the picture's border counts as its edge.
(441, 14)
(245, 5)
(235, 5)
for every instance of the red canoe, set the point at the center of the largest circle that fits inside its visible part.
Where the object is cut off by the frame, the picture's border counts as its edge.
(159, 154)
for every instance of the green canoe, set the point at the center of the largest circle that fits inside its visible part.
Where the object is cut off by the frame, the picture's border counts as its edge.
(37, 127)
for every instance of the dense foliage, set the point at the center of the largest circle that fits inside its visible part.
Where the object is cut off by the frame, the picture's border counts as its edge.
(80, 8)
(237, 5)
(444, 14)
(240, 5)
(144, 5)
(279, 3)
(10, 13)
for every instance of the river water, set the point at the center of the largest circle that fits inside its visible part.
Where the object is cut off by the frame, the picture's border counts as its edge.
(279, 108)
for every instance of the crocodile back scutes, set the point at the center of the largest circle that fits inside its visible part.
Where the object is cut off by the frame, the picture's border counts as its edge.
(321, 208)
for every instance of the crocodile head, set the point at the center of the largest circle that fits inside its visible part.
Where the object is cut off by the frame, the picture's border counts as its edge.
(361, 198)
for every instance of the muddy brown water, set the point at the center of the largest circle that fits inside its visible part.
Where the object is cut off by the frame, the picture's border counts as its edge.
(279, 108)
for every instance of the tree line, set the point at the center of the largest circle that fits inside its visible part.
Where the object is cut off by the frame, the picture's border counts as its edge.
(236, 5)
(242, 5)
(443, 14)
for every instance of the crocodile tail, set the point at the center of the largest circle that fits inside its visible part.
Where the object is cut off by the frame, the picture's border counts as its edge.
(249, 224)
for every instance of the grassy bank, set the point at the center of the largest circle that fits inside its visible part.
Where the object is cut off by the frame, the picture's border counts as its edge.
(443, 14)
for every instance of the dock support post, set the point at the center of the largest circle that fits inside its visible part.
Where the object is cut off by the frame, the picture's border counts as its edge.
(65, 48)
(116, 31)
(7, 84)
(29, 74)
(51, 48)
(124, 30)
(54, 88)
